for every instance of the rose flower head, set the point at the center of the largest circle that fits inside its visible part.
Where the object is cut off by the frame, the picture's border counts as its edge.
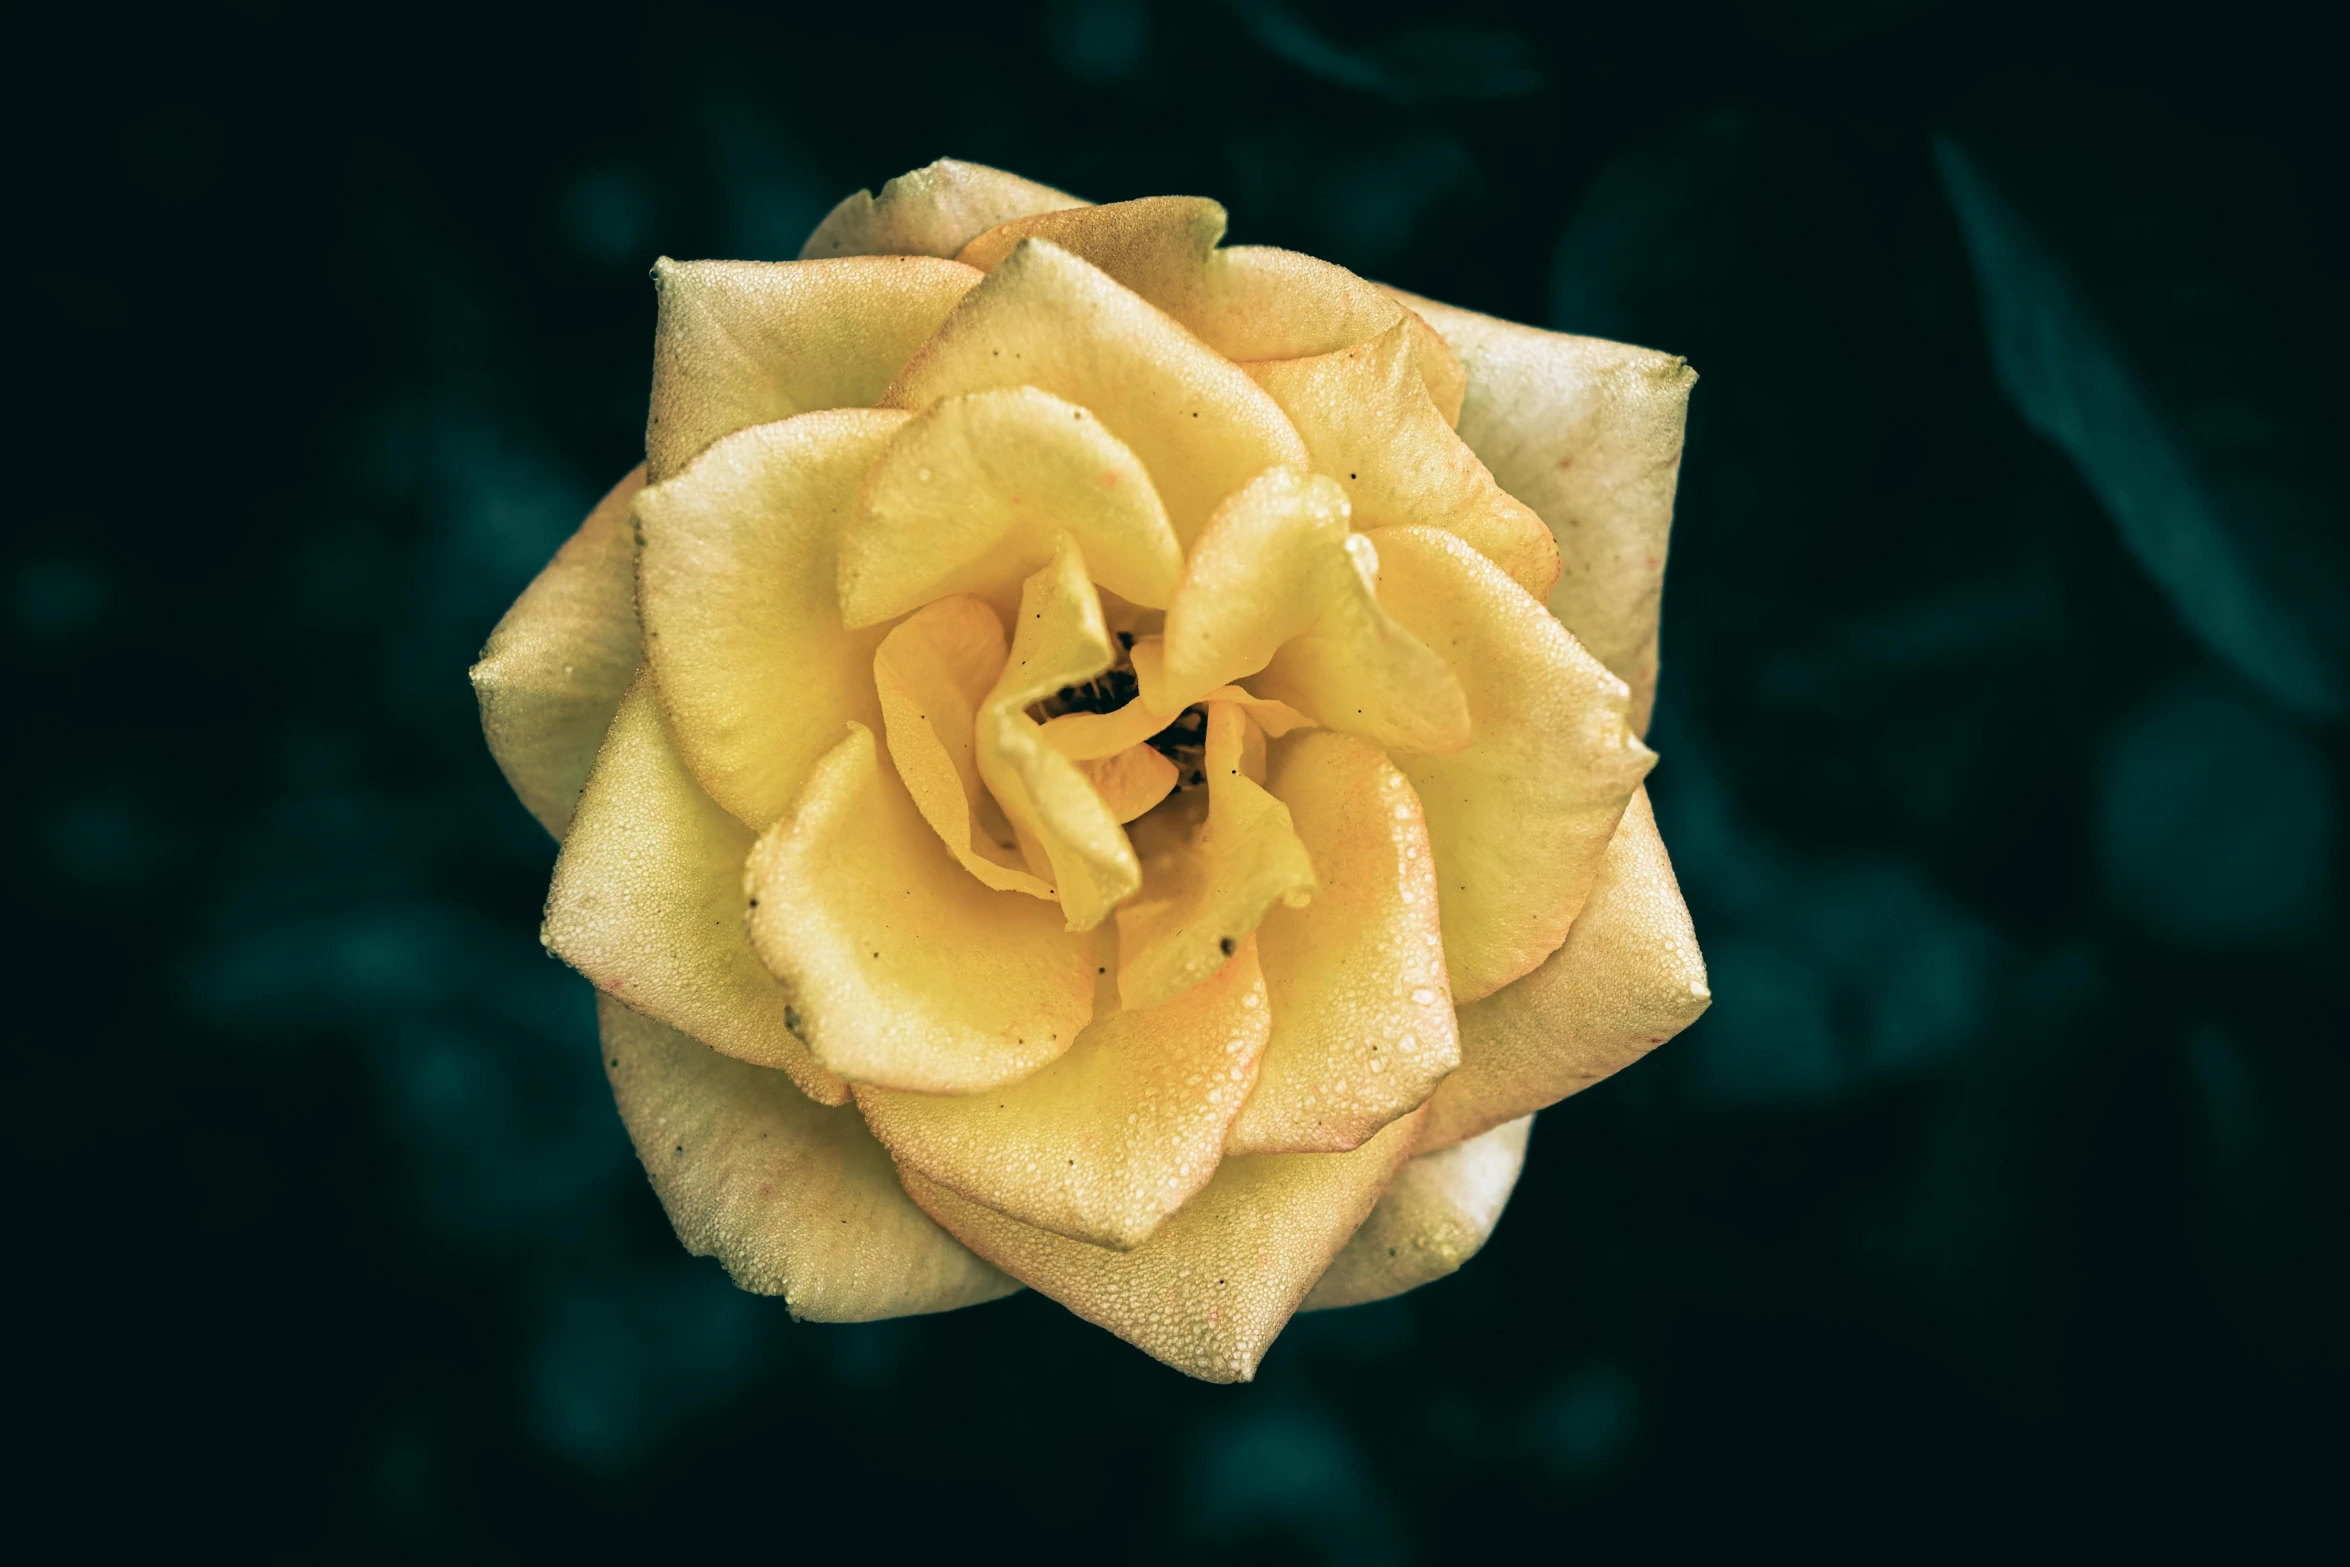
(1093, 759)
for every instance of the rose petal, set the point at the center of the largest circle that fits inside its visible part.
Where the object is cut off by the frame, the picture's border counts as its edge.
(933, 211)
(1362, 1013)
(1369, 423)
(1044, 318)
(1437, 1215)
(736, 582)
(1213, 1286)
(1629, 978)
(1132, 781)
(1060, 641)
(1519, 818)
(1588, 433)
(1105, 1143)
(740, 343)
(971, 494)
(648, 902)
(932, 671)
(1204, 892)
(904, 971)
(1273, 590)
(553, 671)
(795, 1199)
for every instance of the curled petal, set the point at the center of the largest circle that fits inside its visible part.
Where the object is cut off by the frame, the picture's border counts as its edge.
(1214, 1285)
(648, 903)
(1370, 424)
(1438, 1214)
(740, 343)
(971, 495)
(1588, 433)
(1520, 817)
(905, 972)
(736, 584)
(933, 211)
(1046, 319)
(1105, 1143)
(553, 671)
(1362, 1013)
(1629, 978)
(1132, 781)
(794, 1198)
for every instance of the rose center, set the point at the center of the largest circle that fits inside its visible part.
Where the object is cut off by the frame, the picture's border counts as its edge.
(1183, 742)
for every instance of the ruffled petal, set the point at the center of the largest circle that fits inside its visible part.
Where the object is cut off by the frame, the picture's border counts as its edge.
(1046, 319)
(933, 211)
(648, 903)
(1277, 589)
(1060, 640)
(1105, 1143)
(1588, 433)
(1370, 424)
(1213, 1286)
(932, 671)
(740, 343)
(1362, 1013)
(971, 495)
(795, 1199)
(1205, 890)
(1518, 819)
(1629, 978)
(1437, 1215)
(736, 582)
(904, 971)
(553, 671)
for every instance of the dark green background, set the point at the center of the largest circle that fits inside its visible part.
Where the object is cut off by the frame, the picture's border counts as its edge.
(1999, 1197)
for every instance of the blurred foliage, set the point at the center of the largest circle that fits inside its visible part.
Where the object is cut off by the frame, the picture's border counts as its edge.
(1998, 1196)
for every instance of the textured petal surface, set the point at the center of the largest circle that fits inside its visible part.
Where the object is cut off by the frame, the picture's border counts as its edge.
(1370, 424)
(1205, 889)
(1362, 1012)
(736, 583)
(1211, 1289)
(794, 1198)
(1588, 433)
(933, 211)
(932, 671)
(553, 671)
(1275, 589)
(970, 497)
(740, 343)
(1105, 1143)
(648, 902)
(1518, 819)
(904, 971)
(1437, 1215)
(1629, 978)
(1046, 319)
(1132, 781)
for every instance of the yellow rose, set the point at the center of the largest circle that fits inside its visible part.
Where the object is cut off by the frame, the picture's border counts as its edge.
(1093, 760)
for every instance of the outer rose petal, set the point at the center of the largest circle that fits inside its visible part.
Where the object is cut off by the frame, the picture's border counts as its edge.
(740, 343)
(934, 211)
(736, 584)
(1362, 1014)
(1588, 433)
(553, 671)
(971, 495)
(1211, 1289)
(1438, 1214)
(904, 971)
(1044, 318)
(795, 1199)
(648, 902)
(1370, 425)
(1629, 978)
(1106, 1142)
(1520, 818)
